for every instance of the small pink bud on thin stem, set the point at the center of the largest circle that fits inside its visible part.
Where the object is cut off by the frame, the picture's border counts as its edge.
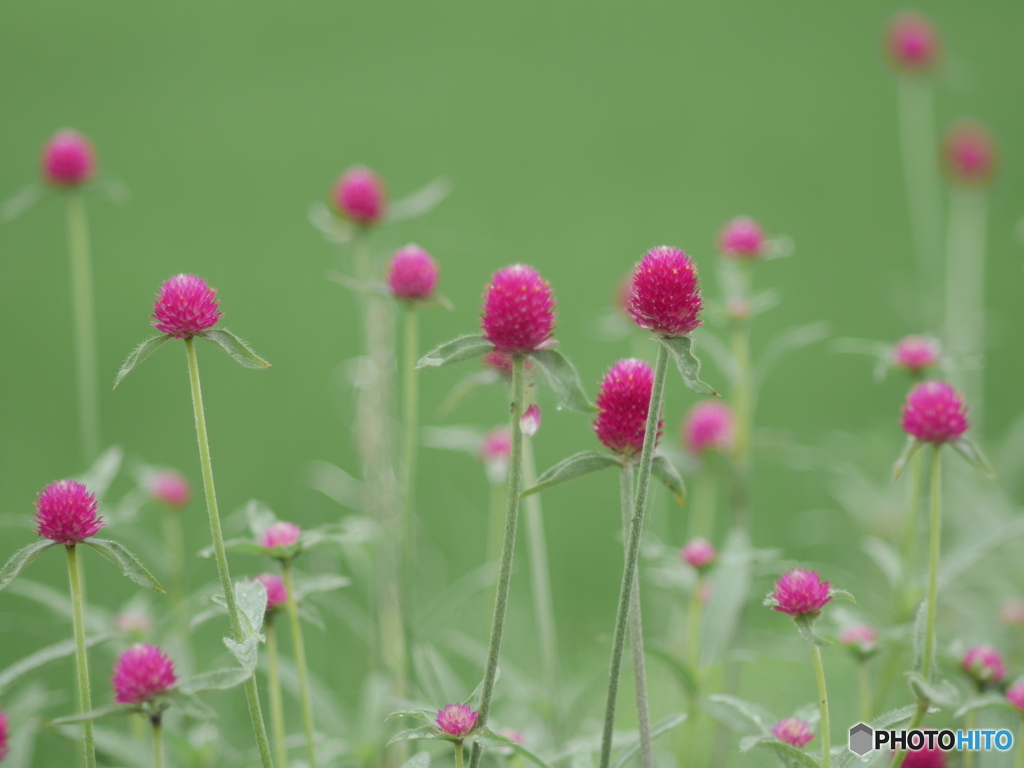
(171, 488)
(496, 445)
(1011, 612)
(800, 593)
(133, 623)
(359, 196)
(456, 719)
(1015, 695)
(934, 413)
(860, 638)
(969, 153)
(915, 353)
(912, 43)
(185, 306)
(742, 238)
(280, 534)
(518, 311)
(68, 159)
(793, 731)
(622, 403)
(698, 553)
(530, 422)
(277, 594)
(66, 513)
(412, 274)
(709, 424)
(664, 295)
(984, 664)
(142, 672)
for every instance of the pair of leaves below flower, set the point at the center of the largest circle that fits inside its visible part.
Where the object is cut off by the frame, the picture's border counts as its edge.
(128, 563)
(484, 737)
(20, 559)
(384, 292)
(966, 448)
(239, 351)
(589, 462)
(681, 349)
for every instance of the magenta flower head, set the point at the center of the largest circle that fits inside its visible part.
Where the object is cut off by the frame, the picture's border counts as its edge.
(699, 553)
(925, 758)
(185, 306)
(934, 413)
(66, 513)
(5, 729)
(359, 196)
(142, 672)
(912, 43)
(861, 639)
(915, 353)
(969, 153)
(68, 159)
(984, 664)
(709, 424)
(412, 274)
(742, 238)
(277, 595)
(799, 593)
(519, 310)
(280, 534)
(793, 731)
(1015, 695)
(622, 403)
(664, 296)
(171, 488)
(456, 720)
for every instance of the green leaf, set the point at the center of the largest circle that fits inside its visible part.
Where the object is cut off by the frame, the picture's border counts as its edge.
(730, 584)
(369, 289)
(242, 546)
(468, 384)
(455, 351)
(805, 625)
(941, 692)
(577, 465)
(419, 760)
(126, 561)
(21, 558)
(974, 456)
(488, 738)
(665, 471)
(140, 353)
(562, 377)
(192, 706)
(985, 701)
(665, 725)
(958, 562)
(326, 582)
(798, 756)
(97, 714)
(740, 715)
(235, 347)
(425, 714)
(419, 202)
(414, 734)
(245, 652)
(788, 341)
(682, 671)
(681, 349)
(912, 446)
(44, 656)
(920, 636)
(251, 597)
(841, 594)
(215, 680)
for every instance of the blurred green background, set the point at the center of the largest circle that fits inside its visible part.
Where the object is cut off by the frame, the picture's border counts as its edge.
(577, 135)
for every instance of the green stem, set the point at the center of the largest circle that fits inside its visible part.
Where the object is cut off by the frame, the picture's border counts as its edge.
(276, 700)
(693, 625)
(407, 527)
(636, 631)
(1019, 762)
(934, 545)
(826, 729)
(458, 754)
(910, 531)
(705, 499)
(643, 481)
(299, 649)
(251, 693)
(81, 659)
(85, 324)
(970, 721)
(158, 743)
(919, 713)
(864, 679)
(743, 407)
(176, 549)
(515, 486)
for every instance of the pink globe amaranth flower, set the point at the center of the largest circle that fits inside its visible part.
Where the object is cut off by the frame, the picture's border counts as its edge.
(5, 730)
(742, 238)
(280, 534)
(68, 159)
(1015, 695)
(496, 445)
(185, 306)
(171, 488)
(969, 153)
(359, 196)
(1012, 612)
(142, 672)
(984, 664)
(915, 353)
(800, 593)
(412, 274)
(519, 310)
(860, 638)
(66, 513)
(623, 400)
(709, 424)
(277, 595)
(912, 42)
(133, 622)
(793, 731)
(934, 413)
(530, 422)
(925, 758)
(664, 296)
(699, 553)
(456, 719)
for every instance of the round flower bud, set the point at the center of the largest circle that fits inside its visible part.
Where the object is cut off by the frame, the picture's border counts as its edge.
(412, 274)
(359, 196)
(456, 719)
(709, 424)
(185, 306)
(861, 639)
(912, 43)
(68, 159)
(934, 413)
(698, 553)
(171, 488)
(518, 311)
(66, 513)
(742, 238)
(793, 731)
(623, 400)
(1011, 612)
(800, 593)
(277, 594)
(280, 534)
(1015, 695)
(495, 450)
(141, 673)
(915, 353)
(984, 664)
(664, 295)
(133, 623)
(530, 422)
(969, 153)
(925, 758)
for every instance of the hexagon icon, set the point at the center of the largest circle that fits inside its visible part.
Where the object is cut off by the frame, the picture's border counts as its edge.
(861, 739)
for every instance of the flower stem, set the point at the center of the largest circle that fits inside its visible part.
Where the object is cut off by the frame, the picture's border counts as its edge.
(826, 730)
(158, 743)
(407, 526)
(1019, 762)
(251, 693)
(743, 407)
(176, 549)
(636, 632)
(910, 530)
(276, 701)
(300, 661)
(643, 481)
(970, 721)
(85, 324)
(934, 546)
(458, 754)
(693, 625)
(515, 486)
(864, 679)
(81, 659)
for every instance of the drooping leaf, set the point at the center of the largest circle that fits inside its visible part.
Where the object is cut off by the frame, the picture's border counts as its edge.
(563, 379)
(215, 680)
(912, 446)
(797, 756)
(21, 558)
(324, 582)
(334, 228)
(239, 351)
(988, 700)
(415, 734)
(681, 349)
(663, 726)
(43, 656)
(419, 202)
(455, 351)
(805, 625)
(686, 676)
(577, 465)
(251, 597)
(941, 692)
(730, 588)
(192, 706)
(665, 471)
(419, 760)
(127, 562)
(740, 715)
(974, 456)
(140, 353)
(425, 714)
(960, 561)
(111, 710)
(788, 341)
(245, 653)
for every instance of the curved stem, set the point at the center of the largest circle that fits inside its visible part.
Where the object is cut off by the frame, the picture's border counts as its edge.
(864, 679)
(970, 721)
(158, 743)
(276, 700)
(643, 481)
(826, 728)
(216, 533)
(81, 658)
(515, 483)
(934, 546)
(299, 650)
(85, 324)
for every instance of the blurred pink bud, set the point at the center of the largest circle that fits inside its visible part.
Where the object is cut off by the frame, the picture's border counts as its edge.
(185, 306)
(171, 488)
(969, 153)
(664, 295)
(280, 534)
(68, 159)
(456, 719)
(861, 639)
(698, 553)
(800, 593)
(530, 422)
(518, 311)
(985, 664)
(5, 730)
(793, 731)
(915, 353)
(66, 513)
(925, 758)
(1015, 695)
(142, 672)
(1012, 612)
(359, 196)
(709, 424)
(912, 42)
(496, 445)
(623, 400)
(742, 238)
(133, 622)
(934, 413)
(412, 274)
(737, 308)
(277, 594)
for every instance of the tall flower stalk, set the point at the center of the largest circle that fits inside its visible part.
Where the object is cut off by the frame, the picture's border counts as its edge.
(299, 648)
(277, 595)
(81, 657)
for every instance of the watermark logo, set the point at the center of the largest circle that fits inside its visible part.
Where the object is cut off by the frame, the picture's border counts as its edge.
(863, 739)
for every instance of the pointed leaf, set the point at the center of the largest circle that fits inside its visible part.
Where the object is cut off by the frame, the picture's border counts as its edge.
(665, 725)
(805, 625)
(455, 351)
(681, 349)
(192, 706)
(974, 456)
(245, 652)
(682, 671)
(563, 379)
(215, 680)
(420, 713)
(414, 734)
(21, 558)
(740, 715)
(325, 582)
(44, 656)
(419, 760)
(985, 701)
(251, 597)
(488, 738)
(798, 756)
(126, 561)
(140, 353)
(666, 472)
(235, 347)
(577, 465)
(912, 446)
(941, 692)
(97, 714)
(419, 202)
(368, 289)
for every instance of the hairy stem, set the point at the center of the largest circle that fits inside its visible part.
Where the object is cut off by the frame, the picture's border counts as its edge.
(81, 658)
(85, 324)
(276, 700)
(826, 729)
(299, 649)
(458, 754)
(910, 531)
(158, 743)
(407, 526)
(934, 547)
(743, 408)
